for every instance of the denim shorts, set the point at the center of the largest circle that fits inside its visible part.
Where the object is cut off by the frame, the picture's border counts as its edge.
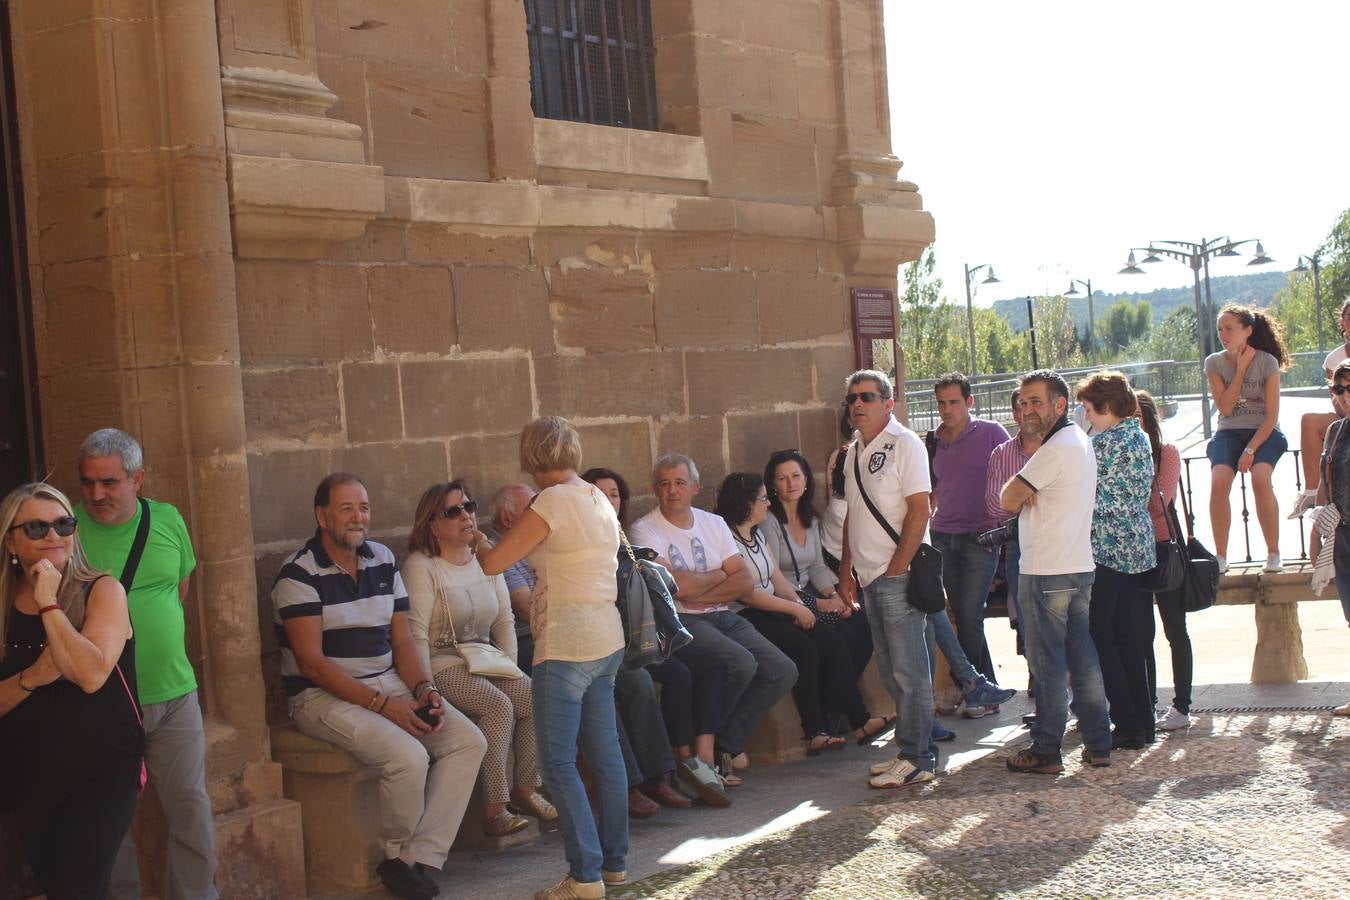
(1225, 448)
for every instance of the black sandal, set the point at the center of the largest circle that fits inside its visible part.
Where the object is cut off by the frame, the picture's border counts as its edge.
(886, 722)
(830, 742)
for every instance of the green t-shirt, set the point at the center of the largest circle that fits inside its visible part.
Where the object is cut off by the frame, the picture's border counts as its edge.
(162, 668)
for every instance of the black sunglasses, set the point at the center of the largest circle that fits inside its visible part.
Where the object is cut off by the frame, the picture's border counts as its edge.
(864, 396)
(453, 512)
(1339, 389)
(36, 529)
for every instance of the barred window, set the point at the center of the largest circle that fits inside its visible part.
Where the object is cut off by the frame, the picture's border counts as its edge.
(592, 61)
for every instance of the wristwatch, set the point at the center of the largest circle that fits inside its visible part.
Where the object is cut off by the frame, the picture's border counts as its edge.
(1249, 450)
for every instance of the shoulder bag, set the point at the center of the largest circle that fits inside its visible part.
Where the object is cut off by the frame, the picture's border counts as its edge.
(807, 593)
(1171, 568)
(646, 600)
(482, 658)
(1200, 581)
(925, 584)
(128, 576)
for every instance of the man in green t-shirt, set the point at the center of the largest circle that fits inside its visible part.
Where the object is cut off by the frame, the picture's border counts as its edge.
(112, 471)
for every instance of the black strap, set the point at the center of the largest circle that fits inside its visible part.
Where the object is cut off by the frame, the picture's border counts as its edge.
(787, 542)
(876, 513)
(137, 548)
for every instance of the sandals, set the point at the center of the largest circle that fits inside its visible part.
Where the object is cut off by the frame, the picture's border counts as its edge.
(886, 722)
(818, 742)
(535, 806)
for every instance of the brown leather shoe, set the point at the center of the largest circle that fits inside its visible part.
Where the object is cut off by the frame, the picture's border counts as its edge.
(639, 807)
(665, 795)
(504, 823)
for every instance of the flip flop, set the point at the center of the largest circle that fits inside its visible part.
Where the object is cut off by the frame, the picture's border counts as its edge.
(831, 742)
(887, 721)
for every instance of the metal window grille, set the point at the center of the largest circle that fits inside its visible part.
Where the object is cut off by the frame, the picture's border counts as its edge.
(592, 61)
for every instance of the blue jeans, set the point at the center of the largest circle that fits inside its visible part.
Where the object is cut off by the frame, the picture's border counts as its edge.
(939, 631)
(1054, 611)
(967, 572)
(758, 673)
(901, 651)
(574, 707)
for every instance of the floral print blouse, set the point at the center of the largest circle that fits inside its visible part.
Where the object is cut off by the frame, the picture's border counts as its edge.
(1122, 532)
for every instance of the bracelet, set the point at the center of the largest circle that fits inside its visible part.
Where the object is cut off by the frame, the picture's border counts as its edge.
(47, 609)
(418, 687)
(26, 688)
(373, 700)
(382, 706)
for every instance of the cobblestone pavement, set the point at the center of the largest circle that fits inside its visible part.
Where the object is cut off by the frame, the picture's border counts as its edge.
(1239, 805)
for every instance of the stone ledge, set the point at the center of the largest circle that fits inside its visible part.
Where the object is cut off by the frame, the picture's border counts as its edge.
(296, 209)
(605, 157)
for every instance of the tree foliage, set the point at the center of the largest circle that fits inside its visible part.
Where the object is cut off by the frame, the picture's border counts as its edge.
(1295, 304)
(1123, 323)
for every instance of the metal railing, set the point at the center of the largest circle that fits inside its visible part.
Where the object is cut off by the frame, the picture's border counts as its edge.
(1246, 513)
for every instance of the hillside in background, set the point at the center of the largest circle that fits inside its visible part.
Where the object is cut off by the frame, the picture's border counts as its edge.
(1255, 289)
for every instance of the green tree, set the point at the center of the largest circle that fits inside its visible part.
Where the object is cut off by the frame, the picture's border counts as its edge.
(930, 324)
(1123, 323)
(1174, 338)
(1057, 345)
(1295, 304)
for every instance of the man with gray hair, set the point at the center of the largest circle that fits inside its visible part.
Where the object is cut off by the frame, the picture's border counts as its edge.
(145, 544)
(712, 577)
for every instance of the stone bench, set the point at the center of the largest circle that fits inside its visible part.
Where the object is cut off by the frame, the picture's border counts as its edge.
(339, 799)
(1275, 596)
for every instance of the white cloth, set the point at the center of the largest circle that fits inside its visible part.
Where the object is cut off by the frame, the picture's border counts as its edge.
(1055, 534)
(700, 548)
(894, 467)
(1334, 359)
(572, 613)
(1325, 520)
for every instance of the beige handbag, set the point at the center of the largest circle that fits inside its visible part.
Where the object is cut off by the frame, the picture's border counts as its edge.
(485, 659)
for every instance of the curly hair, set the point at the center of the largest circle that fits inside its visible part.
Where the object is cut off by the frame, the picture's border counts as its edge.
(736, 497)
(1267, 333)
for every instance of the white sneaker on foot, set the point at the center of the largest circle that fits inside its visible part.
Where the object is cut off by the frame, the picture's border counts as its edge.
(878, 768)
(902, 773)
(1223, 563)
(1274, 563)
(1173, 720)
(975, 710)
(1306, 501)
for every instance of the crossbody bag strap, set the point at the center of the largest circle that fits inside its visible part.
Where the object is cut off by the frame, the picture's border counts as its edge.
(137, 549)
(787, 542)
(1331, 459)
(871, 507)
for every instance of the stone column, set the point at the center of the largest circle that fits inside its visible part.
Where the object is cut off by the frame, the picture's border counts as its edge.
(126, 202)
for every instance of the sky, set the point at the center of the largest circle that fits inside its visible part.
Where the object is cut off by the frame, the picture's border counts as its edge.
(1048, 138)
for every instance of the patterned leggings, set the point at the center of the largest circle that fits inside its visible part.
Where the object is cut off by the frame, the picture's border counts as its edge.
(504, 711)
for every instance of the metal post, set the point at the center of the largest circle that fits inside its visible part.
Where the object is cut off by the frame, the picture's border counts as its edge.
(1202, 338)
(970, 320)
(1092, 334)
(1317, 298)
(1031, 326)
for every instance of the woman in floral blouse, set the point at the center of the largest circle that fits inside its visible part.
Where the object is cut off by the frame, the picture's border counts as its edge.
(1121, 612)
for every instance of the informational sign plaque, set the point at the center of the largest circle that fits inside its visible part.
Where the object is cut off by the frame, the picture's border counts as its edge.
(873, 320)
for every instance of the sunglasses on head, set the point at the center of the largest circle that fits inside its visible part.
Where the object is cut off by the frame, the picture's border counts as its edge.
(454, 512)
(1339, 389)
(864, 396)
(36, 529)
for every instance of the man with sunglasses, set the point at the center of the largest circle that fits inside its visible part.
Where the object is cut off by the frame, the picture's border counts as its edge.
(111, 514)
(355, 678)
(886, 484)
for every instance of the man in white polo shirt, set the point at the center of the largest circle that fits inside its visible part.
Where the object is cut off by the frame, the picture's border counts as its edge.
(893, 466)
(1053, 495)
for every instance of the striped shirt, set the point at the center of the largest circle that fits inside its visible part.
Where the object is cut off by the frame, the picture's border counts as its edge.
(357, 613)
(1006, 461)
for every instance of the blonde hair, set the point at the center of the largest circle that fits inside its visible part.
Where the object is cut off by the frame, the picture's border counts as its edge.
(549, 444)
(70, 594)
(422, 540)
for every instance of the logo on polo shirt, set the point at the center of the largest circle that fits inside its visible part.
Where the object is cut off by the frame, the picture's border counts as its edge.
(877, 460)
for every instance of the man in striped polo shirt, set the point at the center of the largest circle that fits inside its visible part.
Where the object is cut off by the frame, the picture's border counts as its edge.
(354, 678)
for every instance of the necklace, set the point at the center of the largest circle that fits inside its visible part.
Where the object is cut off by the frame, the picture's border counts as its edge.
(761, 578)
(24, 645)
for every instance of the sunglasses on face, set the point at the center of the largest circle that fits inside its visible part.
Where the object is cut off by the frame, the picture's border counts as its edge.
(36, 529)
(864, 396)
(454, 512)
(1339, 389)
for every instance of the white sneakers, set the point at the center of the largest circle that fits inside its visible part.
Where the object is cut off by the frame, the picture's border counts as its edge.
(1173, 720)
(899, 773)
(1274, 563)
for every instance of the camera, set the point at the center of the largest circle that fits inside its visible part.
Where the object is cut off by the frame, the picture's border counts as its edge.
(997, 537)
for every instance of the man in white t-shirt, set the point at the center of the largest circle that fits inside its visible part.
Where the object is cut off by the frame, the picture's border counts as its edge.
(700, 552)
(893, 464)
(1053, 496)
(1313, 426)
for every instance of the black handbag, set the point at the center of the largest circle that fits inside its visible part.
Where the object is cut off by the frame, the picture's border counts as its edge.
(807, 593)
(1171, 568)
(646, 599)
(925, 593)
(1200, 581)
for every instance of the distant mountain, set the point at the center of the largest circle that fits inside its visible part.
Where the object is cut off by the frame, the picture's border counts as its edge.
(1256, 289)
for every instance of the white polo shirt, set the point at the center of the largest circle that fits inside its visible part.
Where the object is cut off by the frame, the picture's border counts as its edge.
(894, 466)
(1055, 535)
(1334, 359)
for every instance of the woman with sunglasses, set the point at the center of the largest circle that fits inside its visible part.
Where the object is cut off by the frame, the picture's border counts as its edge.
(1333, 490)
(453, 602)
(70, 733)
(571, 535)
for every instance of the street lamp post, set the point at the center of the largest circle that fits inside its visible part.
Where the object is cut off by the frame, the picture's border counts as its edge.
(971, 272)
(1197, 256)
(1092, 334)
(1314, 262)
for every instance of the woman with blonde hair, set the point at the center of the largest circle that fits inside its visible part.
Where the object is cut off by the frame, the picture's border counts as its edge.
(452, 602)
(571, 536)
(71, 742)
